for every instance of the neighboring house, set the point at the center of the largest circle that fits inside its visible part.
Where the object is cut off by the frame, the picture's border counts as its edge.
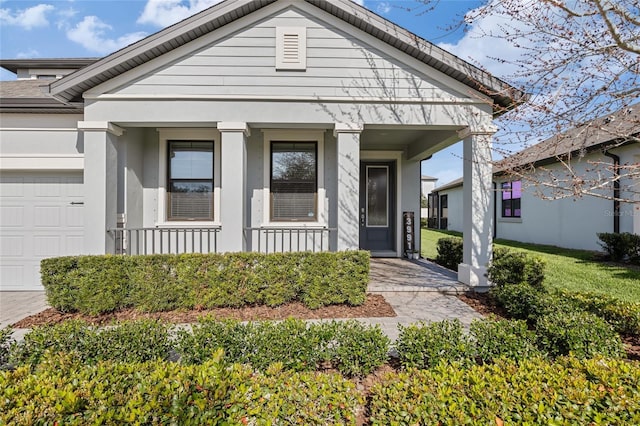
(522, 214)
(427, 183)
(254, 125)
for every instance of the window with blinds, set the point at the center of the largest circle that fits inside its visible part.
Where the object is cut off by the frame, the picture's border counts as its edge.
(294, 183)
(190, 180)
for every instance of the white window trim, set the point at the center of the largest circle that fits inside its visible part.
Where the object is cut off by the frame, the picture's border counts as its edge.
(187, 134)
(293, 136)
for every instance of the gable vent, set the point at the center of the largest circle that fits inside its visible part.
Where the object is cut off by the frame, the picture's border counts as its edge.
(291, 48)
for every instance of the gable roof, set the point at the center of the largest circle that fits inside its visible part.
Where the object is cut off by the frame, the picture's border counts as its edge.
(70, 88)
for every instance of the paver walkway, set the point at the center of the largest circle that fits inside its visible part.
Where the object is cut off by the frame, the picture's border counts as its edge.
(417, 290)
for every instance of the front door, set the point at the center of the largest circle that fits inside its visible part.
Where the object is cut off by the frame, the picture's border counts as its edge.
(377, 207)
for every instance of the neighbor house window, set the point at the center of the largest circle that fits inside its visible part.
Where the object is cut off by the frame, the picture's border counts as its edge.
(511, 196)
(294, 183)
(190, 180)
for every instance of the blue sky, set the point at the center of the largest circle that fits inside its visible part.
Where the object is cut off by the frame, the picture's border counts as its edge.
(94, 28)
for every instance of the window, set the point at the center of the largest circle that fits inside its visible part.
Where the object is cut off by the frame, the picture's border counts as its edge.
(444, 211)
(190, 180)
(511, 195)
(294, 183)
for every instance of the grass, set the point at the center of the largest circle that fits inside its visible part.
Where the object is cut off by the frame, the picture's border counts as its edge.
(567, 269)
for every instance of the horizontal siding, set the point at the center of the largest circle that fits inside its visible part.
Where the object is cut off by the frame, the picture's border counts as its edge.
(244, 64)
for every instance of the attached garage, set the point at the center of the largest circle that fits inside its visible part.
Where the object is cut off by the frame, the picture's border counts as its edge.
(41, 215)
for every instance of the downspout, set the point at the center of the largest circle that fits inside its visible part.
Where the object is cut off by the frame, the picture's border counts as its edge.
(495, 210)
(616, 190)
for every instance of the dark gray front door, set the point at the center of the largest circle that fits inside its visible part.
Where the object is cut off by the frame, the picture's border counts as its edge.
(377, 206)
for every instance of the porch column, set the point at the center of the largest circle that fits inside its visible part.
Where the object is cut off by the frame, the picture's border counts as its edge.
(100, 183)
(477, 207)
(348, 167)
(233, 170)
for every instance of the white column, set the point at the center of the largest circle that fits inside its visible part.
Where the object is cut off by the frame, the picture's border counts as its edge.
(233, 171)
(348, 168)
(101, 184)
(477, 207)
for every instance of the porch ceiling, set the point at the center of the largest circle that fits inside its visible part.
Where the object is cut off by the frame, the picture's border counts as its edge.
(418, 144)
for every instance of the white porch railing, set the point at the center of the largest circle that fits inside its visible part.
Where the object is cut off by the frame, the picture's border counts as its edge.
(132, 241)
(288, 239)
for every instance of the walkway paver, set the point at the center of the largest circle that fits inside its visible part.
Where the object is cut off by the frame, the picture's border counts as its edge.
(16, 305)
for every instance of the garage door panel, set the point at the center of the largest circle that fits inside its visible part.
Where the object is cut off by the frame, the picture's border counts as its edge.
(12, 216)
(37, 221)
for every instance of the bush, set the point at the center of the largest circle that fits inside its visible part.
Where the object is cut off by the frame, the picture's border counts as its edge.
(132, 341)
(581, 334)
(621, 246)
(63, 391)
(493, 339)
(535, 391)
(521, 301)
(425, 345)
(449, 252)
(6, 344)
(352, 348)
(514, 267)
(623, 316)
(98, 284)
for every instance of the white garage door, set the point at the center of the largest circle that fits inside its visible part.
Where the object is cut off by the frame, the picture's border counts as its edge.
(40, 216)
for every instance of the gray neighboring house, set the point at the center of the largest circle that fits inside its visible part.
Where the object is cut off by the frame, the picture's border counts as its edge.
(255, 125)
(522, 215)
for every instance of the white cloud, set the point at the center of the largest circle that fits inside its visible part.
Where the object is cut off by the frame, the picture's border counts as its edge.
(163, 13)
(496, 54)
(383, 7)
(31, 53)
(64, 18)
(29, 18)
(91, 34)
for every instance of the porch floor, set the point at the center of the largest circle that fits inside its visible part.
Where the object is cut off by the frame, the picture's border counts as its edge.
(393, 274)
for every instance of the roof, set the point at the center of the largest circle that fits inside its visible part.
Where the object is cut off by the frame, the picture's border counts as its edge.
(71, 87)
(425, 177)
(620, 127)
(612, 129)
(14, 65)
(30, 96)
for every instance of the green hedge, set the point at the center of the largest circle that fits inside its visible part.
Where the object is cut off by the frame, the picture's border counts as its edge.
(535, 391)
(351, 347)
(98, 284)
(522, 301)
(515, 267)
(63, 391)
(621, 246)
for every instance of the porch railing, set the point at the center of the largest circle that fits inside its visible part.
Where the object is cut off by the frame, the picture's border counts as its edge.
(289, 239)
(132, 241)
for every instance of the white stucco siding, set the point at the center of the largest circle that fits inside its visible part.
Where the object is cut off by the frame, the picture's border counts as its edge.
(629, 212)
(409, 172)
(339, 64)
(454, 209)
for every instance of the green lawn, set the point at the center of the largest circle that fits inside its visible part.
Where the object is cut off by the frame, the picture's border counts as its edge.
(567, 269)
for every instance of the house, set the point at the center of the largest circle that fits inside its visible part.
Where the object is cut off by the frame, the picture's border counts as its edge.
(427, 184)
(255, 125)
(527, 210)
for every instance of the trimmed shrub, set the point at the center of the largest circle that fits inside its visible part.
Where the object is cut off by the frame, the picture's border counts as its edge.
(352, 348)
(621, 246)
(534, 392)
(493, 339)
(425, 345)
(521, 301)
(623, 316)
(63, 391)
(132, 341)
(581, 334)
(449, 252)
(98, 284)
(514, 267)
